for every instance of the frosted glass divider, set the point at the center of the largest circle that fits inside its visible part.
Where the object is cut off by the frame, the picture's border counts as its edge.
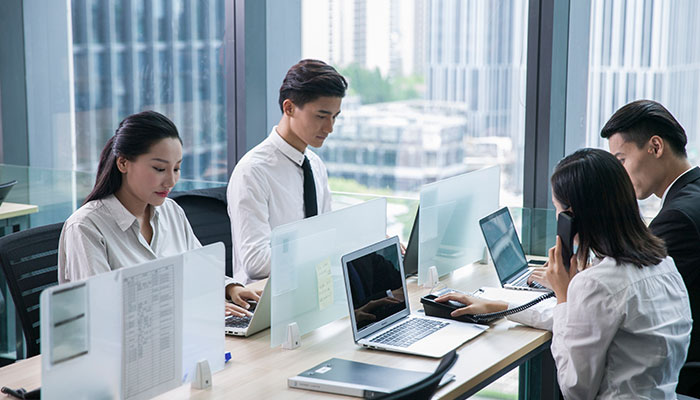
(186, 326)
(307, 278)
(449, 236)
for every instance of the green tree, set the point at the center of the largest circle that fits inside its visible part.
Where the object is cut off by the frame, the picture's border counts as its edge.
(372, 87)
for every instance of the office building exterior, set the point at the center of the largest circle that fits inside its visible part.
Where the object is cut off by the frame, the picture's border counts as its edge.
(131, 55)
(398, 145)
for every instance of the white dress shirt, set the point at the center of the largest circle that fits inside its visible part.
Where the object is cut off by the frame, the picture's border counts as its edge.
(103, 236)
(663, 198)
(266, 190)
(622, 334)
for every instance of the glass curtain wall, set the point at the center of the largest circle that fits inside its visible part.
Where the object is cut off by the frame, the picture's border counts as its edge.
(645, 49)
(135, 55)
(437, 88)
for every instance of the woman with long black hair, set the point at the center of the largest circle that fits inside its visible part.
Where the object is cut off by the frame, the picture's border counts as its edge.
(128, 218)
(621, 321)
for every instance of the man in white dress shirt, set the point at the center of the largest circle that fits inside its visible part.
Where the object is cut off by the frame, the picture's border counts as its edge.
(280, 180)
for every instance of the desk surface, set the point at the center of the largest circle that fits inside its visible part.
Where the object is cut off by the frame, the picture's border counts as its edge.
(257, 371)
(11, 210)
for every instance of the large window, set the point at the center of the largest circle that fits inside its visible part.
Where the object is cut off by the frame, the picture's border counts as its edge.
(645, 49)
(437, 88)
(125, 56)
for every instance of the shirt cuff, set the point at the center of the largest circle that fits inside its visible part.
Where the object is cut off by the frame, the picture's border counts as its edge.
(538, 316)
(230, 281)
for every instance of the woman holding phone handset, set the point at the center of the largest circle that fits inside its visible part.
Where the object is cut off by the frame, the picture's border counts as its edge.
(621, 322)
(128, 219)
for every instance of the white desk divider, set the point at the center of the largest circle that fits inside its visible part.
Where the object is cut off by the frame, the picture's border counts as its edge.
(135, 332)
(307, 279)
(449, 236)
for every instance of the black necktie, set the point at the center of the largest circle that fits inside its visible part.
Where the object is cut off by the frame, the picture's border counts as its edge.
(310, 206)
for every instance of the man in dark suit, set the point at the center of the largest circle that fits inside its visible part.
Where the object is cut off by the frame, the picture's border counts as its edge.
(650, 143)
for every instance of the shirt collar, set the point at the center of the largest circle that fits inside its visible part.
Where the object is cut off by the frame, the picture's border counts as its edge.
(122, 216)
(663, 198)
(287, 149)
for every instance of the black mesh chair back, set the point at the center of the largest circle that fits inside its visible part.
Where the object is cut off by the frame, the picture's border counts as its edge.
(29, 260)
(689, 386)
(427, 387)
(208, 216)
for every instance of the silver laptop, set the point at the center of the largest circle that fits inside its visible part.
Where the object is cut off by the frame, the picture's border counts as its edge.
(507, 252)
(379, 310)
(246, 326)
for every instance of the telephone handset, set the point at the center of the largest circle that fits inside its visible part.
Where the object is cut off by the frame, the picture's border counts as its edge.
(442, 310)
(566, 230)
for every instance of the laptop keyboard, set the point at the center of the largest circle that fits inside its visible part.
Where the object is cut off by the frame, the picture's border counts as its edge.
(409, 332)
(522, 281)
(237, 322)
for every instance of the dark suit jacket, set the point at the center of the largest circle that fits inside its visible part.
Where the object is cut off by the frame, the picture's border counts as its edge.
(678, 224)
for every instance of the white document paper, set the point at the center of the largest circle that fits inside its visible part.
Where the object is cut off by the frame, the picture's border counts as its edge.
(152, 337)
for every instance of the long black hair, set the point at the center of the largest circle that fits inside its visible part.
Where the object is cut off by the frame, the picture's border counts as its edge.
(134, 136)
(601, 196)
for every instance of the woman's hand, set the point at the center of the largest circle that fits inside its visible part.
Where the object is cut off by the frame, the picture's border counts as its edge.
(240, 295)
(474, 305)
(539, 275)
(557, 275)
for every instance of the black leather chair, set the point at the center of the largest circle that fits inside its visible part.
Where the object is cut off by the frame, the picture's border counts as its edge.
(208, 216)
(29, 261)
(691, 369)
(427, 387)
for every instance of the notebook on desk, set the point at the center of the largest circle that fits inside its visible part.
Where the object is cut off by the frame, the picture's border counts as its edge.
(352, 378)
(380, 315)
(246, 326)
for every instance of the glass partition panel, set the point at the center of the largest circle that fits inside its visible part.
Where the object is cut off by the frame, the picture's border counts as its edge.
(307, 278)
(400, 210)
(449, 236)
(135, 332)
(57, 193)
(537, 228)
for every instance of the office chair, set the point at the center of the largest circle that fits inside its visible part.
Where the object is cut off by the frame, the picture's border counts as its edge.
(29, 261)
(692, 369)
(208, 216)
(427, 387)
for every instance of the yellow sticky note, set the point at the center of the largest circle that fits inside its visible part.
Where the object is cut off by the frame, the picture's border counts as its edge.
(325, 284)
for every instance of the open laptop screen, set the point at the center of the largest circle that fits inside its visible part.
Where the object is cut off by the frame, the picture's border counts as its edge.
(410, 259)
(503, 243)
(375, 285)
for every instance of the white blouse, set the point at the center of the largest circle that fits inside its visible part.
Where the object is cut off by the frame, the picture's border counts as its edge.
(622, 334)
(103, 235)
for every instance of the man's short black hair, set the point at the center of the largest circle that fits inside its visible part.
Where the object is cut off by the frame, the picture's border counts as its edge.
(308, 80)
(640, 120)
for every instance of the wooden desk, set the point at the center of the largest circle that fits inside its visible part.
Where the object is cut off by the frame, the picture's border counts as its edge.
(10, 211)
(256, 371)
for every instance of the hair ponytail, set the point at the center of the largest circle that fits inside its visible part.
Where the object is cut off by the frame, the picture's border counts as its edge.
(134, 136)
